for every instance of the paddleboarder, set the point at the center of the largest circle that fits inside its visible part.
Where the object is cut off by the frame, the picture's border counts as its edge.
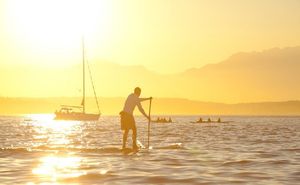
(127, 119)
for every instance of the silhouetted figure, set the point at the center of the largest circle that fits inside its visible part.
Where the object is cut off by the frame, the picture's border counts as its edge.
(127, 119)
(170, 120)
(219, 120)
(208, 120)
(200, 120)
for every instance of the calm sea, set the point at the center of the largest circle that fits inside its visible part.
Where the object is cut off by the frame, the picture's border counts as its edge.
(249, 150)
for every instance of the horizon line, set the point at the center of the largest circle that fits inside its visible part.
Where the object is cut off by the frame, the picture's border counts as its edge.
(174, 98)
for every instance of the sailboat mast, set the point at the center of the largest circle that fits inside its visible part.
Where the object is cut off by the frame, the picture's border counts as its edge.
(83, 73)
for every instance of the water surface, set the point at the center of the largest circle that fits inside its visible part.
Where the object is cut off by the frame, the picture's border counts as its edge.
(249, 150)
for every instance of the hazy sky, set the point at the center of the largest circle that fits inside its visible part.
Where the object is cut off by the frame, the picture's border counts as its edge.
(163, 35)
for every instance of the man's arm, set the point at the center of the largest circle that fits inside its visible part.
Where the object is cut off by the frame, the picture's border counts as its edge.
(144, 99)
(142, 110)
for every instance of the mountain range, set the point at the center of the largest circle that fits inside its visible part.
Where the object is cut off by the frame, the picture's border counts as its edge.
(160, 106)
(269, 75)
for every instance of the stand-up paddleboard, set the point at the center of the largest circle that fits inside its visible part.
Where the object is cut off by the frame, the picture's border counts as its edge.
(129, 151)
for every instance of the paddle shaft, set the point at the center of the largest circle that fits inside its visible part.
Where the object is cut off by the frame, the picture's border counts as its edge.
(149, 123)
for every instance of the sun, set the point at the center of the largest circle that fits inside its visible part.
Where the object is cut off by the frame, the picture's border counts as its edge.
(45, 25)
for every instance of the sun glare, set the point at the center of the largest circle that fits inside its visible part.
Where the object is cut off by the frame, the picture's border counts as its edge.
(47, 120)
(44, 25)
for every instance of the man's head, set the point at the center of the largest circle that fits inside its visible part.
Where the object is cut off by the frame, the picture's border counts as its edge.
(137, 91)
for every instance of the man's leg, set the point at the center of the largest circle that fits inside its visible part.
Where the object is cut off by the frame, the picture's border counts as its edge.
(125, 134)
(134, 135)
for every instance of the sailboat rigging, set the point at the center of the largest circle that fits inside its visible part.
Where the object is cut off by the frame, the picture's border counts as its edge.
(78, 113)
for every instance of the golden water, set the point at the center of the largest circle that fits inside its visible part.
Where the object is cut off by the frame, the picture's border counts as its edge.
(250, 150)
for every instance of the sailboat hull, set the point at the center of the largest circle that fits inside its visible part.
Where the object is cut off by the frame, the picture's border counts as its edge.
(76, 116)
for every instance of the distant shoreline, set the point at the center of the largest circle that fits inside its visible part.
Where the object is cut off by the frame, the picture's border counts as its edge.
(161, 106)
(174, 115)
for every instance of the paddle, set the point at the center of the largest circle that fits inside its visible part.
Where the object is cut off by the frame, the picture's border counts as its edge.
(149, 123)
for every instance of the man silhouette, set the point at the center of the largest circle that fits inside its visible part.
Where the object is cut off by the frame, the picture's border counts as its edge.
(127, 119)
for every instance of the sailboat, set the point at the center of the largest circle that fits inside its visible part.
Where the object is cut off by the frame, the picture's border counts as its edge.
(78, 113)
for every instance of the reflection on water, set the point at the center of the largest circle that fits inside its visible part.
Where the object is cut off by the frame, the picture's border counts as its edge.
(58, 167)
(56, 132)
(55, 167)
(47, 121)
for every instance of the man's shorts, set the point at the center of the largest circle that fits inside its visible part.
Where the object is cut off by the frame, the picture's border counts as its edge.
(127, 121)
